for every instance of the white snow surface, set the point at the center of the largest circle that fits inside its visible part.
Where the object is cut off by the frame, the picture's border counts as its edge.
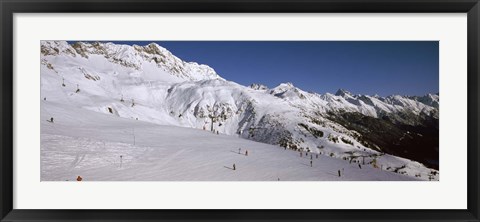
(89, 144)
(99, 93)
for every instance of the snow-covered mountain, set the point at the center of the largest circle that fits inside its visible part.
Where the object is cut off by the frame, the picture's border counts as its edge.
(148, 83)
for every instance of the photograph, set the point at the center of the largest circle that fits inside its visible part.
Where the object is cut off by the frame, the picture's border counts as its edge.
(269, 111)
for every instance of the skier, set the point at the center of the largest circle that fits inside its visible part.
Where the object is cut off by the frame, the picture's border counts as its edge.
(311, 157)
(246, 152)
(51, 119)
(311, 163)
(234, 167)
(339, 173)
(317, 156)
(79, 178)
(217, 132)
(45, 98)
(359, 166)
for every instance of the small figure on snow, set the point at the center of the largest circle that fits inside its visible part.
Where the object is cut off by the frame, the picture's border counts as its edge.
(246, 152)
(45, 98)
(51, 120)
(317, 156)
(311, 163)
(79, 178)
(234, 167)
(239, 149)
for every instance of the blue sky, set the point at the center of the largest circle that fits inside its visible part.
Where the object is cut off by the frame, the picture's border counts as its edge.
(362, 67)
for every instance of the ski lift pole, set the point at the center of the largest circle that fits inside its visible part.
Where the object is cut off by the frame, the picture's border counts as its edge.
(134, 136)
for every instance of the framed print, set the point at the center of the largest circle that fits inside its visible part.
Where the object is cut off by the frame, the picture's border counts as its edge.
(227, 110)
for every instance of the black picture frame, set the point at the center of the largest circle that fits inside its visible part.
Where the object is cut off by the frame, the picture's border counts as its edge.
(9, 7)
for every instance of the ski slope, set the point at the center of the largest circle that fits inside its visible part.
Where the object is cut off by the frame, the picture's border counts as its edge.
(89, 144)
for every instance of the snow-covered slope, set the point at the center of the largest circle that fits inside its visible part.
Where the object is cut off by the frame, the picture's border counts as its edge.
(149, 84)
(102, 148)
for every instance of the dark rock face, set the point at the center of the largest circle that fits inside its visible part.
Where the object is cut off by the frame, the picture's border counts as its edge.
(417, 142)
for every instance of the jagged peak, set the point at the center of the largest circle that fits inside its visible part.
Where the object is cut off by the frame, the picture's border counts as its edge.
(287, 84)
(284, 87)
(343, 92)
(433, 95)
(154, 48)
(56, 48)
(54, 43)
(258, 86)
